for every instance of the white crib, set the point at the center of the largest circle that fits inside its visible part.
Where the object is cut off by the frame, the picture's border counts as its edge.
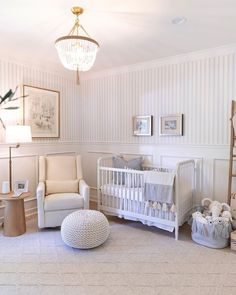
(126, 199)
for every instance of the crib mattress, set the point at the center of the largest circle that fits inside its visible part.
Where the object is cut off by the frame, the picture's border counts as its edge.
(123, 192)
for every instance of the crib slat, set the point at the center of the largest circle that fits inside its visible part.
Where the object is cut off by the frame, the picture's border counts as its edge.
(113, 189)
(102, 185)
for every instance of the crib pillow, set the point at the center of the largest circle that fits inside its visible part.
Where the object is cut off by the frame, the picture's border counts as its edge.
(121, 163)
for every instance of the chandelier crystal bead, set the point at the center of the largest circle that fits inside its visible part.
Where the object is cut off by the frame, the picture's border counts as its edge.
(77, 51)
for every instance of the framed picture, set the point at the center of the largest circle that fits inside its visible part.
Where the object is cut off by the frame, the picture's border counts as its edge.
(41, 110)
(171, 124)
(142, 125)
(21, 186)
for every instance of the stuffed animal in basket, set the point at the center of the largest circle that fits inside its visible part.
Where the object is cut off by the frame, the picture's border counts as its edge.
(199, 217)
(216, 209)
(227, 215)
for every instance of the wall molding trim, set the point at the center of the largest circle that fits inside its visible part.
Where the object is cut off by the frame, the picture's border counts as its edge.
(176, 59)
(41, 144)
(96, 143)
(163, 145)
(48, 67)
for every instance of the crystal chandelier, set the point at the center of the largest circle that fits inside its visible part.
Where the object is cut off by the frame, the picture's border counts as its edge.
(77, 51)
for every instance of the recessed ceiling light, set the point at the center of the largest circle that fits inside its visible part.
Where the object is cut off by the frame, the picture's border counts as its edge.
(179, 20)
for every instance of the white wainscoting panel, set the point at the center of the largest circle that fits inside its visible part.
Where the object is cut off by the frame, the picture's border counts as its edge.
(220, 177)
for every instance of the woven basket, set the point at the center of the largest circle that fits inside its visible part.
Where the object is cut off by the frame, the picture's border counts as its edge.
(211, 235)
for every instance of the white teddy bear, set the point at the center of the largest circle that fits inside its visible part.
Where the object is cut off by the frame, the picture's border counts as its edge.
(227, 215)
(217, 209)
(214, 207)
(199, 217)
(214, 213)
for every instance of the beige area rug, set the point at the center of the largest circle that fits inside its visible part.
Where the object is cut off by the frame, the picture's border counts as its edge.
(136, 259)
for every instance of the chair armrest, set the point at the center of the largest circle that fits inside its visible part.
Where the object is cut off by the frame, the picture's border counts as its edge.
(40, 193)
(84, 190)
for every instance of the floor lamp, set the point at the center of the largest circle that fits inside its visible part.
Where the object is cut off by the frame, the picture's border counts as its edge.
(16, 135)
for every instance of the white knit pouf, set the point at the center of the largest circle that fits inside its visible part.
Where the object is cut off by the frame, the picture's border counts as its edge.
(85, 229)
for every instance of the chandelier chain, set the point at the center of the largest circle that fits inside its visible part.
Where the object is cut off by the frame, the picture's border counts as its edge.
(84, 30)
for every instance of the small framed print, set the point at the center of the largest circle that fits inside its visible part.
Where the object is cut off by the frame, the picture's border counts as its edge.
(142, 125)
(171, 125)
(21, 186)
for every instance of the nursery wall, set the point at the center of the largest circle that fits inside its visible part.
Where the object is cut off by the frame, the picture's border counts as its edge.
(25, 158)
(200, 85)
(96, 118)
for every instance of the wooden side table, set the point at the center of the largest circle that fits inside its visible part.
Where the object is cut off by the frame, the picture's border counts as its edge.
(14, 214)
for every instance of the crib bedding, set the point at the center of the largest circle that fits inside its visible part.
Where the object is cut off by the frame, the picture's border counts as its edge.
(152, 220)
(162, 216)
(121, 191)
(138, 193)
(159, 186)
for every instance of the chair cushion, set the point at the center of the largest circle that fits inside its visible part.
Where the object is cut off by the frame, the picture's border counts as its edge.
(61, 168)
(67, 186)
(64, 201)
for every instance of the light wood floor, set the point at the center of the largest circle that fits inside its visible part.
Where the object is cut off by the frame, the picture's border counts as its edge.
(136, 259)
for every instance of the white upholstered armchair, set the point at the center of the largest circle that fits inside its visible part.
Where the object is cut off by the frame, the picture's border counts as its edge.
(61, 189)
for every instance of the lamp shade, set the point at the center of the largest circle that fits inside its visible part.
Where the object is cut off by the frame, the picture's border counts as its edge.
(18, 134)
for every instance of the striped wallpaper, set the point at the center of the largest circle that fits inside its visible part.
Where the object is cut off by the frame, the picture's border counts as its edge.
(201, 89)
(14, 73)
(101, 109)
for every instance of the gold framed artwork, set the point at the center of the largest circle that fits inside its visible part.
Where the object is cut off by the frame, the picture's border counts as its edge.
(171, 125)
(41, 110)
(142, 125)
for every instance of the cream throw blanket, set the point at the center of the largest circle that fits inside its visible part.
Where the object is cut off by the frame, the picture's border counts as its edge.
(159, 186)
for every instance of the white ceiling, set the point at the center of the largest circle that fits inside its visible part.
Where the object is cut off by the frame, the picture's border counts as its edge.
(128, 31)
